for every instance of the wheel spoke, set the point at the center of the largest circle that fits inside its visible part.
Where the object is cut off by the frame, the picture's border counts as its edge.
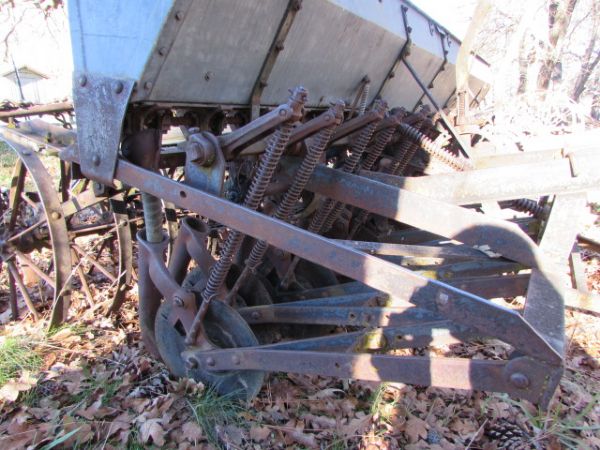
(94, 262)
(14, 199)
(39, 272)
(84, 284)
(17, 277)
(14, 307)
(28, 229)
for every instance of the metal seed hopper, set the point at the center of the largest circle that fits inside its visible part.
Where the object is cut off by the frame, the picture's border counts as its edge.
(327, 209)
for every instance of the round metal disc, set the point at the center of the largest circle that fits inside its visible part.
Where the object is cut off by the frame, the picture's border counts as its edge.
(225, 328)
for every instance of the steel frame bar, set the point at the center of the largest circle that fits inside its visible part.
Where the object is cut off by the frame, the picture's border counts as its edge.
(457, 373)
(445, 118)
(502, 183)
(457, 305)
(422, 335)
(424, 213)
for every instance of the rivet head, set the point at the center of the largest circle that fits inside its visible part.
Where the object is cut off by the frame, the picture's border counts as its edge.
(82, 80)
(210, 361)
(442, 299)
(519, 380)
(96, 160)
(55, 215)
(162, 51)
(235, 359)
(119, 87)
(178, 15)
(255, 315)
(178, 301)
(148, 85)
(282, 112)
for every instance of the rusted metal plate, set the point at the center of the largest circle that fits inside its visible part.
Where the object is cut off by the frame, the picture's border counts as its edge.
(100, 104)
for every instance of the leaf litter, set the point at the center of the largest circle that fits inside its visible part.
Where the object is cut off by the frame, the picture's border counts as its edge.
(91, 385)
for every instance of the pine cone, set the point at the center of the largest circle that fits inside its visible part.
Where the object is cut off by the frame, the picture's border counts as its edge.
(509, 435)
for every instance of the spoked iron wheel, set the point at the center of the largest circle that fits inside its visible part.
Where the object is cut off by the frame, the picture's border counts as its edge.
(35, 240)
(57, 235)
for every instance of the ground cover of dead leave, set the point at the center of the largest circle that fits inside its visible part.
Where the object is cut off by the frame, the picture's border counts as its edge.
(94, 387)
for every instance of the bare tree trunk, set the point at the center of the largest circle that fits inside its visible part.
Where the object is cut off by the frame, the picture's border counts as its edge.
(527, 55)
(559, 17)
(589, 61)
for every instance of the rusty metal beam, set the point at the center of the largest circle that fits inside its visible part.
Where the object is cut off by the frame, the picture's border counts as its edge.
(454, 304)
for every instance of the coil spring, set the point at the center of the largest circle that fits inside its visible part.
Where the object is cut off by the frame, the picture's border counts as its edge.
(404, 155)
(260, 181)
(153, 217)
(432, 149)
(381, 141)
(310, 161)
(364, 97)
(529, 206)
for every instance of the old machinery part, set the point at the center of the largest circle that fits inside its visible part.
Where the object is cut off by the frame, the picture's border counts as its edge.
(84, 240)
(264, 173)
(432, 149)
(314, 151)
(529, 206)
(329, 210)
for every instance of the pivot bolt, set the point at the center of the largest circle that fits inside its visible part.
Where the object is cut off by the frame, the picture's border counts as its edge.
(55, 215)
(519, 380)
(442, 299)
(178, 301)
(191, 363)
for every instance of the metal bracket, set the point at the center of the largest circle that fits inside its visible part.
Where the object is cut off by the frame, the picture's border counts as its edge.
(205, 163)
(439, 70)
(100, 105)
(276, 47)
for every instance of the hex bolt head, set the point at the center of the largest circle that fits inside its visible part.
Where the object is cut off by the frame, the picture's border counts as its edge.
(119, 87)
(210, 361)
(178, 301)
(235, 359)
(96, 160)
(442, 299)
(519, 380)
(191, 363)
(55, 215)
(82, 80)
